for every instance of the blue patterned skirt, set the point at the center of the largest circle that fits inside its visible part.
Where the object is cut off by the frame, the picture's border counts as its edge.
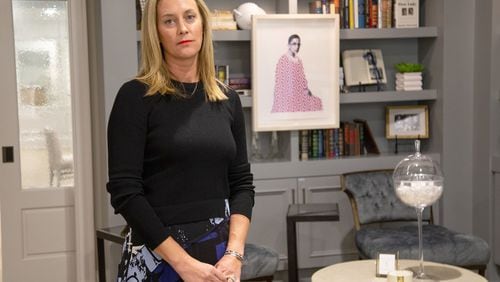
(205, 240)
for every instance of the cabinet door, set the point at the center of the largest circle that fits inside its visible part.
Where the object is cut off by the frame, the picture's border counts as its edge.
(268, 226)
(324, 243)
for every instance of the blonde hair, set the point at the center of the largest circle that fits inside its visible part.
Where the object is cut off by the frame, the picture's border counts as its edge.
(154, 72)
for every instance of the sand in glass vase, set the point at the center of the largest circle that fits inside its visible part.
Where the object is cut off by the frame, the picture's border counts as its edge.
(418, 182)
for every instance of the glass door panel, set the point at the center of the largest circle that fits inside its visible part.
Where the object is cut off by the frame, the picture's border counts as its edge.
(44, 93)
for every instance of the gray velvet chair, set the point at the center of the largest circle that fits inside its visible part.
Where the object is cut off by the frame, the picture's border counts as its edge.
(260, 263)
(385, 225)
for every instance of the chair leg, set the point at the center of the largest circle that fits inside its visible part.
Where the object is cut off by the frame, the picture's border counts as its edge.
(51, 176)
(58, 175)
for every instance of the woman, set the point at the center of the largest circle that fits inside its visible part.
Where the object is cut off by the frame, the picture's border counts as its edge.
(178, 168)
(291, 91)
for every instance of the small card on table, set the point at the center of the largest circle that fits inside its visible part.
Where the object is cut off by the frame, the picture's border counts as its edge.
(386, 263)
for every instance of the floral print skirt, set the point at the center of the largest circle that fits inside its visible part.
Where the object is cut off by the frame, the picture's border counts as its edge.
(205, 240)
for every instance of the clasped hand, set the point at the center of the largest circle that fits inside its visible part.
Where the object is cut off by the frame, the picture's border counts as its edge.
(227, 269)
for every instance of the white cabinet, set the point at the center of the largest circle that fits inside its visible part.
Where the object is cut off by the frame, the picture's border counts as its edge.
(268, 227)
(324, 243)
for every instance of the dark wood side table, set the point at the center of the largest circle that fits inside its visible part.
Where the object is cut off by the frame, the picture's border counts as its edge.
(304, 213)
(112, 234)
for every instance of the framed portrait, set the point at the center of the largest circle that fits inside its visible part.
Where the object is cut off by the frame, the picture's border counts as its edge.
(295, 72)
(407, 122)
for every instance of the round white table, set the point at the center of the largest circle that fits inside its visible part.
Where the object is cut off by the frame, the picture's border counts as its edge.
(364, 271)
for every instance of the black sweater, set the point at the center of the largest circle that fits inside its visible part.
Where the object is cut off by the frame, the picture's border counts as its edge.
(174, 160)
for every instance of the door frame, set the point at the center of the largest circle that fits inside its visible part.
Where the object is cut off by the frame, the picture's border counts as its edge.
(84, 192)
(80, 87)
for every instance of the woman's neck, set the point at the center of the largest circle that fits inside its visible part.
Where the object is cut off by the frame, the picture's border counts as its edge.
(184, 71)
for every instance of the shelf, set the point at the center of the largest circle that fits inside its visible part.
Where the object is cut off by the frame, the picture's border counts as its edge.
(388, 33)
(372, 97)
(345, 34)
(232, 35)
(294, 169)
(222, 35)
(387, 96)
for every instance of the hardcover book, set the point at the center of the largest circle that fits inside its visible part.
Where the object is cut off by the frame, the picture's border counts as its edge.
(368, 139)
(406, 13)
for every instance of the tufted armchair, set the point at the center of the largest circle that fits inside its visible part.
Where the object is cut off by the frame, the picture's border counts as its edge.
(260, 263)
(386, 225)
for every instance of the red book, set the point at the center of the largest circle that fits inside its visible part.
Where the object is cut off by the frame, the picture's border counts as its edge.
(374, 14)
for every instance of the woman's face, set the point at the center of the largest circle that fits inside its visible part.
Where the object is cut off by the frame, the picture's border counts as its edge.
(180, 28)
(294, 45)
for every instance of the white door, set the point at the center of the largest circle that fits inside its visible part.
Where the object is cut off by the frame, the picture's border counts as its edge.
(45, 170)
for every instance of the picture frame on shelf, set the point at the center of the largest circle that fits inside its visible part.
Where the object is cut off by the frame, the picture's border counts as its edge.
(407, 122)
(363, 67)
(294, 58)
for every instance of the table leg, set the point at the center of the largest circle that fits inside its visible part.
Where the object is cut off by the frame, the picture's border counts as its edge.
(291, 236)
(101, 261)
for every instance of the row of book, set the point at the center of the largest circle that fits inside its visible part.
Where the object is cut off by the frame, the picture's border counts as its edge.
(237, 82)
(222, 20)
(350, 139)
(370, 13)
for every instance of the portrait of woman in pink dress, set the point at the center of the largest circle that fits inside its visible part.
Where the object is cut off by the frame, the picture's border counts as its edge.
(291, 90)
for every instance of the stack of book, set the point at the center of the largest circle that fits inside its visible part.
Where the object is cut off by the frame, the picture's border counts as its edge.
(409, 81)
(239, 83)
(223, 20)
(350, 139)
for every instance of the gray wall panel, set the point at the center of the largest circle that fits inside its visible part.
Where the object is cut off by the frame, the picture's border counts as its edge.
(458, 61)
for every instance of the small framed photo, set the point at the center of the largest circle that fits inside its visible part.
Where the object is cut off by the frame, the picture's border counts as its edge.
(407, 122)
(386, 263)
(294, 62)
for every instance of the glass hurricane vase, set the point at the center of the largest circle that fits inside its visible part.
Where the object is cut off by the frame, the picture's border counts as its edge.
(418, 182)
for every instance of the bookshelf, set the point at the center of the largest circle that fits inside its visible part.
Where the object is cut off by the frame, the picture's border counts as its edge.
(286, 180)
(373, 97)
(388, 33)
(345, 34)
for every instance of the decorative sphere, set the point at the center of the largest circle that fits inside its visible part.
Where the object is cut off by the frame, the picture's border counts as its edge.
(243, 14)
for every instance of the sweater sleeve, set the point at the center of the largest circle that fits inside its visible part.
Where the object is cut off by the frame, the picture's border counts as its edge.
(241, 198)
(127, 129)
